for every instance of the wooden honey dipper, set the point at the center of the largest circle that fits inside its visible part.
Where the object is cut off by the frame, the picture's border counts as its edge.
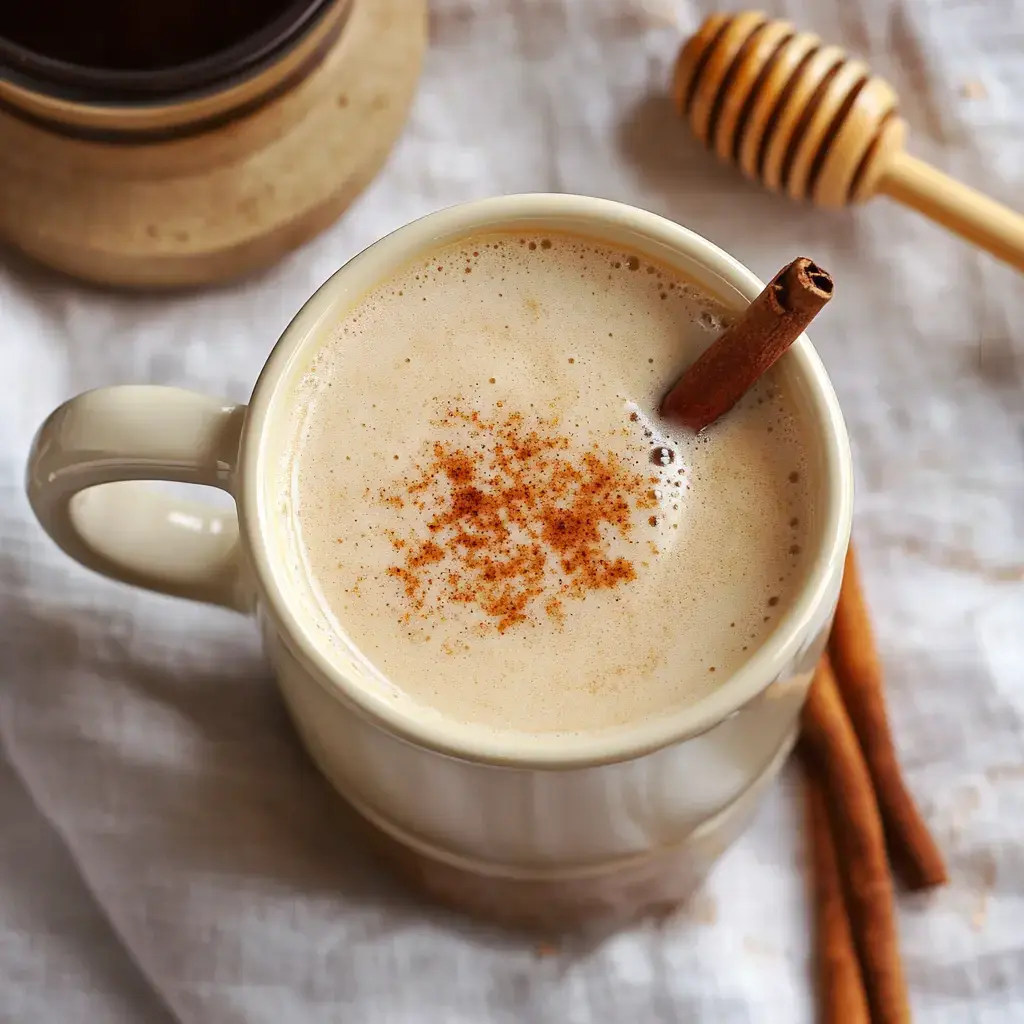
(805, 119)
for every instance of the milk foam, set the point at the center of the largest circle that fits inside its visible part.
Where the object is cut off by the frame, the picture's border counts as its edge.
(489, 508)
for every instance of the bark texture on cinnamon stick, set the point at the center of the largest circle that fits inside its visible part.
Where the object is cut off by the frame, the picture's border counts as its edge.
(841, 987)
(749, 346)
(915, 856)
(836, 758)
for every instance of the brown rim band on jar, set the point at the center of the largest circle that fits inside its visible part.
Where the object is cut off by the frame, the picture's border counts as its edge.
(163, 117)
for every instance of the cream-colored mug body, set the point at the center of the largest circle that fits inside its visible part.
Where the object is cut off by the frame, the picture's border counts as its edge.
(546, 830)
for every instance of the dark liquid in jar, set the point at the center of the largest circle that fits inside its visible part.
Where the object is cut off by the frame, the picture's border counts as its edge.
(134, 35)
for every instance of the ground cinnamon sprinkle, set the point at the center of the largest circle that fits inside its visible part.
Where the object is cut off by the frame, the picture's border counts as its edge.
(519, 516)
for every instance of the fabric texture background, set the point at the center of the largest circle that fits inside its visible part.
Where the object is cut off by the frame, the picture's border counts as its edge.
(167, 853)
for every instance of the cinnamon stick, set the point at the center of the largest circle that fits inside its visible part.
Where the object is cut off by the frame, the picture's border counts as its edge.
(857, 828)
(841, 987)
(749, 346)
(858, 670)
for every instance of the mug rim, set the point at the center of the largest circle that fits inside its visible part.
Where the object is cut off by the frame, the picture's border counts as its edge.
(555, 750)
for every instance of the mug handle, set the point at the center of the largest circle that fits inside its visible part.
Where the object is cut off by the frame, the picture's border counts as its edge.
(83, 484)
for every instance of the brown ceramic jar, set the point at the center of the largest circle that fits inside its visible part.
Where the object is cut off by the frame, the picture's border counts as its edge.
(194, 142)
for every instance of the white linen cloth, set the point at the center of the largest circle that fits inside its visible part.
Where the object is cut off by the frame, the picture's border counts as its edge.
(166, 850)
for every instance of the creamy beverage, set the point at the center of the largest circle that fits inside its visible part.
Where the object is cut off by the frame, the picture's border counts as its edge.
(488, 507)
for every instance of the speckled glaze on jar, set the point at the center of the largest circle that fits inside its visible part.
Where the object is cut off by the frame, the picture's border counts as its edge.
(196, 174)
(552, 832)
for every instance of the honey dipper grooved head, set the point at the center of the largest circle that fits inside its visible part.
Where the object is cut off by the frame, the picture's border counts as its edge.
(794, 114)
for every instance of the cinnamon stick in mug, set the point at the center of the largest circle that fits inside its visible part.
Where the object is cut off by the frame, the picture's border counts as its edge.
(858, 670)
(749, 346)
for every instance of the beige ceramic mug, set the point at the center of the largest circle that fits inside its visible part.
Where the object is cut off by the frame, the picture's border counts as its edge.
(551, 831)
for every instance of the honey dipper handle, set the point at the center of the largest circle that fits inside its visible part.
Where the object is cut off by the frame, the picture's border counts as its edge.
(982, 221)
